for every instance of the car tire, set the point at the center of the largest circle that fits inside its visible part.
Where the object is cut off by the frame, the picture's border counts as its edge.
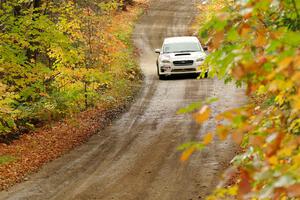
(206, 75)
(161, 77)
(196, 75)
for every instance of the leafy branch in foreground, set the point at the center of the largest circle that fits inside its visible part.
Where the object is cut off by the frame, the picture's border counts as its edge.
(256, 43)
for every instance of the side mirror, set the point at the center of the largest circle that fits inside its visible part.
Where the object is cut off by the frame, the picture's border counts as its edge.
(205, 48)
(157, 50)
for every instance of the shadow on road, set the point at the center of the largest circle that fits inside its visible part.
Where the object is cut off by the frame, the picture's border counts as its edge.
(180, 77)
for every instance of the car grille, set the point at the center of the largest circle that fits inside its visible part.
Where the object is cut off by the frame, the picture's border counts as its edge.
(184, 70)
(183, 62)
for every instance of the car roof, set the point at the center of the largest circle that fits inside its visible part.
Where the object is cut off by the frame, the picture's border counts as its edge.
(181, 39)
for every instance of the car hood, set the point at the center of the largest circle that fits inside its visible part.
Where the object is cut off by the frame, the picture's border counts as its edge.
(183, 56)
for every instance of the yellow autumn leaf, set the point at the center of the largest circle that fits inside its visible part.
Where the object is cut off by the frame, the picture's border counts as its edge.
(207, 138)
(296, 76)
(294, 190)
(187, 153)
(297, 60)
(284, 63)
(280, 99)
(296, 103)
(287, 151)
(203, 114)
(238, 71)
(296, 160)
(222, 132)
(256, 140)
(219, 117)
(233, 190)
(273, 160)
(218, 39)
(222, 135)
(237, 137)
(260, 40)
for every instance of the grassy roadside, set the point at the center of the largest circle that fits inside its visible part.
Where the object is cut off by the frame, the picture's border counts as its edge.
(29, 152)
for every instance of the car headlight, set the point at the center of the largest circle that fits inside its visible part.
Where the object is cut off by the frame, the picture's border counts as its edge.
(200, 59)
(165, 61)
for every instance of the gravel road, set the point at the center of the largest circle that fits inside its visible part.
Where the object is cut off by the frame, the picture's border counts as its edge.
(135, 158)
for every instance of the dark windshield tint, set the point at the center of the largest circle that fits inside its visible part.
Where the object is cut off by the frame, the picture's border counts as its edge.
(181, 47)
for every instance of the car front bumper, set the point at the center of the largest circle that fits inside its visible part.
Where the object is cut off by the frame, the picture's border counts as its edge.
(169, 69)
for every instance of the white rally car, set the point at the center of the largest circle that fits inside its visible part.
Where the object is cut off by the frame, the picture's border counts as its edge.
(180, 55)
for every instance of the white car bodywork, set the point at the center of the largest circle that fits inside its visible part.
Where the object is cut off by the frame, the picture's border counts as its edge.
(185, 57)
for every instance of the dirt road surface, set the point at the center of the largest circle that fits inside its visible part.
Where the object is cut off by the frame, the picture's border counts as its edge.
(135, 158)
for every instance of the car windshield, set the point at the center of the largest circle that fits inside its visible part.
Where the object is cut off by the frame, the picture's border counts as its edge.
(181, 47)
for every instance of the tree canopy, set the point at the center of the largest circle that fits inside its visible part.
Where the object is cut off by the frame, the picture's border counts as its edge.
(55, 59)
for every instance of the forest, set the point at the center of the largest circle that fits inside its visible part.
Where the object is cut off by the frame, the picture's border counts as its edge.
(57, 58)
(67, 69)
